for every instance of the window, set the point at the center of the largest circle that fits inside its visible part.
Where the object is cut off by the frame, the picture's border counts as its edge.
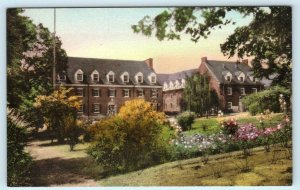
(79, 77)
(228, 78)
(229, 105)
(112, 93)
(62, 77)
(96, 108)
(111, 78)
(80, 110)
(126, 78)
(154, 93)
(126, 93)
(153, 79)
(229, 91)
(140, 79)
(96, 92)
(242, 91)
(79, 92)
(140, 93)
(241, 79)
(254, 90)
(95, 77)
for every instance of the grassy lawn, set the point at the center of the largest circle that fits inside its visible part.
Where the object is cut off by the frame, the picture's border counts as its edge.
(271, 168)
(212, 123)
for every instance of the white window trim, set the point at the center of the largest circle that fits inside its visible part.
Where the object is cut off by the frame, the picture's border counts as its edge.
(137, 77)
(243, 92)
(77, 92)
(228, 74)
(227, 107)
(94, 108)
(110, 73)
(227, 90)
(242, 75)
(97, 90)
(156, 93)
(150, 78)
(126, 91)
(141, 90)
(255, 90)
(79, 71)
(114, 93)
(95, 72)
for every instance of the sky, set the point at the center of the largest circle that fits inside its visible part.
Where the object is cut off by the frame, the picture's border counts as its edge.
(106, 33)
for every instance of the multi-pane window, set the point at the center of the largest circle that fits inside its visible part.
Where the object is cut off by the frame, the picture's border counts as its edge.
(111, 78)
(96, 108)
(229, 91)
(126, 93)
(79, 77)
(241, 79)
(79, 92)
(229, 105)
(228, 78)
(96, 92)
(95, 77)
(80, 110)
(140, 93)
(254, 90)
(153, 79)
(126, 78)
(140, 79)
(242, 91)
(112, 93)
(154, 93)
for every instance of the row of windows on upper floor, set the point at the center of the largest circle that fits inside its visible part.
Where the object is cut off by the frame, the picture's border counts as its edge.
(110, 77)
(96, 92)
(242, 91)
(239, 75)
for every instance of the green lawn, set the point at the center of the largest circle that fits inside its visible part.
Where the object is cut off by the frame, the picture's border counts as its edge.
(221, 170)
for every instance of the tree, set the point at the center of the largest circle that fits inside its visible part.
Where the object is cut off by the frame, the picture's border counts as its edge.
(130, 140)
(268, 38)
(30, 63)
(18, 161)
(59, 112)
(198, 95)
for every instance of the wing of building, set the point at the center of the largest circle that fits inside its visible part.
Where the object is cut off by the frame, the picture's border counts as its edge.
(231, 81)
(105, 84)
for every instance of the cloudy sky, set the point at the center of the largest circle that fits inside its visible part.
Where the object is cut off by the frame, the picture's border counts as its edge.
(107, 33)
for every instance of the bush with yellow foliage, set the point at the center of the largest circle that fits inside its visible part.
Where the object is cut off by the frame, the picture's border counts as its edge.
(59, 112)
(131, 139)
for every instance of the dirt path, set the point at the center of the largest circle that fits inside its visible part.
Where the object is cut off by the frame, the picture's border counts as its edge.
(53, 167)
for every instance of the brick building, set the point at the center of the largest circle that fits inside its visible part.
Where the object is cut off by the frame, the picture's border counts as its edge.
(231, 81)
(173, 85)
(105, 84)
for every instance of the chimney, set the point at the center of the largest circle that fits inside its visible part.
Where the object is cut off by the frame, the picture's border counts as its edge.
(203, 59)
(149, 62)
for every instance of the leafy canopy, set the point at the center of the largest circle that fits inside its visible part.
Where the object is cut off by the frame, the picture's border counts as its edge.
(268, 37)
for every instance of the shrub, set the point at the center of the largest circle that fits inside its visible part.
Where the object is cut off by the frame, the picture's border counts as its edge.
(229, 127)
(130, 140)
(267, 99)
(186, 119)
(18, 162)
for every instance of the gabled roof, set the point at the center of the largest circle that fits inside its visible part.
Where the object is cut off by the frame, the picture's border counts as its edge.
(218, 69)
(103, 66)
(176, 76)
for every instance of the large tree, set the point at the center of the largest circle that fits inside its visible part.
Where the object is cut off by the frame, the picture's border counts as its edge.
(29, 62)
(268, 37)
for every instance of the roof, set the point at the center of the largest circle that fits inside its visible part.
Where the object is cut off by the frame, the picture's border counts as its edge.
(175, 76)
(219, 68)
(104, 66)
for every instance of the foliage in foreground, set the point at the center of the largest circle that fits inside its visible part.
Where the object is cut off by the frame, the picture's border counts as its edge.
(130, 140)
(185, 120)
(59, 111)
(18, 161)
(266, 100)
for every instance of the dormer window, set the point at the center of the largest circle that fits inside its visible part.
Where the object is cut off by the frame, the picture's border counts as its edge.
(62, 77)
(241, 76)
(79, 75)
(152, 78)
(125, 77)
(111, 76)
(95, 76)
(182, 83)
(241, 79)
(139, 77)
(227, 76)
